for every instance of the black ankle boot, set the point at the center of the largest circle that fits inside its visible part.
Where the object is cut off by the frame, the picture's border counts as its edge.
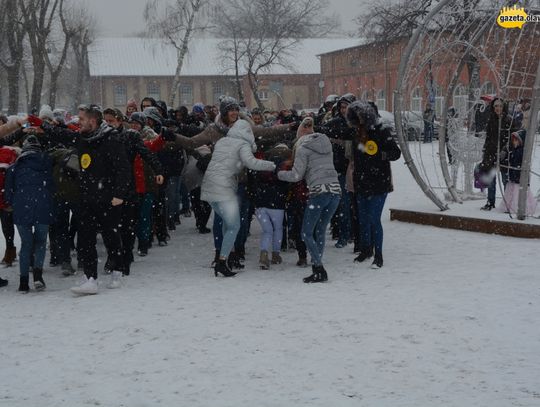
(319, 275)
(23, 285)
(216, 258)
(3, 282)
(377, 261)
(234, 261)
(365, 253)
(39, 284)
(221, 267)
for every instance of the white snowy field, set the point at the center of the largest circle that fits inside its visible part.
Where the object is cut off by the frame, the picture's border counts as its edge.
(452, 319)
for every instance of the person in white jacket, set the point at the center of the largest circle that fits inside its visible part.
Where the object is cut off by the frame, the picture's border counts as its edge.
(231, 154)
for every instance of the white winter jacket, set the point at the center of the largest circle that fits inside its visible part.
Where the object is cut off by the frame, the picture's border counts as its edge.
(231, 154)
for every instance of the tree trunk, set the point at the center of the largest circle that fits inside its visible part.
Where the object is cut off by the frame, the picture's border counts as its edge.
(53, 88)
(182, 52)
(13, 88)
(254, 86)
(37, 84)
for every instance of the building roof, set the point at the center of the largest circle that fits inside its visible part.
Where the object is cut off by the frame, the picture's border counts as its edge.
(151, 57)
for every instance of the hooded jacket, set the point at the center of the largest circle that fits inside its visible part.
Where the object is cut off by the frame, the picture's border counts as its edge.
(515, 158)
(231, 155)
(29, 189)
(313, 162)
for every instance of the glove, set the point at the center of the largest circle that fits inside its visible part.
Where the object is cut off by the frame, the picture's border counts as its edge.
(167, 134)
(34, 121)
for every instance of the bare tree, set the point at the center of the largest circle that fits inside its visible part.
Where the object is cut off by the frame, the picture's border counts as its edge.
(175, 23)
(38, 17)
(390, 19)
(66, 32)
(265, 33)
(84, 26)
(12, 34)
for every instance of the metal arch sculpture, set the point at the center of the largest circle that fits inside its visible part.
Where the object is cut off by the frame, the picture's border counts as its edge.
(456, 46)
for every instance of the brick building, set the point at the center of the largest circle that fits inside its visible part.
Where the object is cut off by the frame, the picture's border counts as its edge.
(126, 68)
(370, 71)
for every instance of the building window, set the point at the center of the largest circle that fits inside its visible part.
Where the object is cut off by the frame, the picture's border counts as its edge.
(488, 88)
(380, 101)
(120, 95)
(263, 95)
(461, 100)
(218, 90)
(186, 94)
(153, 90)
(439, 101)
(416, 100)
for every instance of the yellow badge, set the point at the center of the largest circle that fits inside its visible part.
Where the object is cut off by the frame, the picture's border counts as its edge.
(86, 160)
(371, 147)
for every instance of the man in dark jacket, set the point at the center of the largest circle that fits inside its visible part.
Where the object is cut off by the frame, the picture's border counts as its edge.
(104, 182)
(134, 145)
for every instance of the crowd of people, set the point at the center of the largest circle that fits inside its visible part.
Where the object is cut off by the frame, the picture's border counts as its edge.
(132, 175)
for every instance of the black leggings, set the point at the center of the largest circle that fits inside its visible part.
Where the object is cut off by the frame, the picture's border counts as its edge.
(8, 228)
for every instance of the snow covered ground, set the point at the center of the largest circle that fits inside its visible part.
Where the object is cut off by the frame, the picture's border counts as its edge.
(451, 320)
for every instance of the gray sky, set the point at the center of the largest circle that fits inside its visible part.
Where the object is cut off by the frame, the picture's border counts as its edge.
(124, 17)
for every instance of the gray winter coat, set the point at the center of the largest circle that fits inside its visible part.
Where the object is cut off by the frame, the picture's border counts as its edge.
(313, 161)
(231, 154)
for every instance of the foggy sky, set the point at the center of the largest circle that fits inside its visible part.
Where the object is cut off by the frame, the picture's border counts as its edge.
(124, 17)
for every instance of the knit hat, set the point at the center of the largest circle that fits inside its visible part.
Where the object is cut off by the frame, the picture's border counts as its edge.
(153, 113)
(59, 115)
(361, 113)
(132, 103)
(331, 99)
(227, 104)
(46, 112)
(198, 108)
(31, 143)
(138, 117)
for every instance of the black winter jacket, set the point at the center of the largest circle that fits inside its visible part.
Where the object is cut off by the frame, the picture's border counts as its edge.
(338, 129)
(372, 173)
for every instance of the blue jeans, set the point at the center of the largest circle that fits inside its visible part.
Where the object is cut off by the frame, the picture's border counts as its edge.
(229, 212)
(245, 222)
(319, 211)
(33, 245)
(428, 132)
(492, 188)
(173, 196)
(344, 213)
(271, 221)
(369, 221)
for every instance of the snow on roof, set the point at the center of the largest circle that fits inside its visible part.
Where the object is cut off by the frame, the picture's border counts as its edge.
(151, 57)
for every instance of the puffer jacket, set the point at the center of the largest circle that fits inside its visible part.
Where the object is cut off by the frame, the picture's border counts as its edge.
(231, 155)
(269, 191)
(313, 161)
(29, 189)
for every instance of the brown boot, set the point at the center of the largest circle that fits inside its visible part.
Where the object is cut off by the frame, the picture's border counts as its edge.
(276, 258)
(9, 256)
(264, 261)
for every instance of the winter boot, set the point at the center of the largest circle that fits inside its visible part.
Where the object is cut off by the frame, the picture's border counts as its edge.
(203, 230)
(302, 262)
(276, 258)
(365, 253)
(234, 262)
(222, 268)
(264, 261)
(88, 286)
(377, 261)
(3, 282)
(318, 275)
(487, 207)
(241, 253)
(10, 256)
(171, 224)
(67, 269)
(23, 285)
(39, 284)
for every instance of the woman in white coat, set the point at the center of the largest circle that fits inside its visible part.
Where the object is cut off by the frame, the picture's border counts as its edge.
(231, 154)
